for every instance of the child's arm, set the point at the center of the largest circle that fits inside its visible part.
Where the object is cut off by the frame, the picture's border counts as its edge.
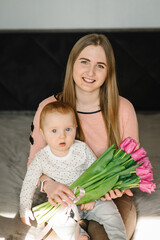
(27, 218)
(28, 188)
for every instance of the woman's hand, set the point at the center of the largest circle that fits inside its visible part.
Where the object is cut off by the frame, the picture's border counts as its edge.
(115, 194)
(87, 206)
(58, 193)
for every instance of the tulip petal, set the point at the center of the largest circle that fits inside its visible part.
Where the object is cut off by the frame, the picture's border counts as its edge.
(139, 154)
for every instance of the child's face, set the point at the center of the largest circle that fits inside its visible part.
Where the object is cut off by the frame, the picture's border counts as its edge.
(59, 131)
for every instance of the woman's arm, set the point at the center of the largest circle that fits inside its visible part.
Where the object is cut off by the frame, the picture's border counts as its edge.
(128, 120)
(128, 128)
(57, 192)
(37, 141)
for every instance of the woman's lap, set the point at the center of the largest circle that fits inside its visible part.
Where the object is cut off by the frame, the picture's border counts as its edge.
(127, 210)
(96, 231)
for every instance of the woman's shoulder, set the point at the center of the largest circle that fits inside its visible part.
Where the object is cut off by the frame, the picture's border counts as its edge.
(125, 104)
(46, 101)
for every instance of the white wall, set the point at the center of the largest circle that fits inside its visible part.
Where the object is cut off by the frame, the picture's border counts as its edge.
(79, 14)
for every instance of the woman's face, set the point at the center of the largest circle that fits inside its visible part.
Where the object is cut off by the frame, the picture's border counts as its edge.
(90, 69)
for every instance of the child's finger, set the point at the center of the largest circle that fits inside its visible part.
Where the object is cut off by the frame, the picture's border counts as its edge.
(28, 222)
(82, 207)
(31, 216)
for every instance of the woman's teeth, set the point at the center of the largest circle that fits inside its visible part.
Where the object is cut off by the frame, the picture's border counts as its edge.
(88, 80)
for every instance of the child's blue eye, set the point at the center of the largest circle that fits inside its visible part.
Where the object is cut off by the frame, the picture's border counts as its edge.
(54, 130)
(68, 129)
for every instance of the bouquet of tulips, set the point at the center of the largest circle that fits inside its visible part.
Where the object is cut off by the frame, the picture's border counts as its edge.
(114, 169)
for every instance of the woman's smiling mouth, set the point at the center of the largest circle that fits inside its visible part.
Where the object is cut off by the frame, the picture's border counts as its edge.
(87, 80)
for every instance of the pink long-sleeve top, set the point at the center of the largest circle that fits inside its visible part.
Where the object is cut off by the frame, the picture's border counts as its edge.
(93, 127)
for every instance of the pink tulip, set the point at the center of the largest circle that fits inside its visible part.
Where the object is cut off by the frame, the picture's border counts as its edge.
(131, 146)
(125, 142)
(153, 186)
(141, 171)
(144, 173)
(147, 186)
(139, 154)
(145, 162)
(148, 176)
(128, 145)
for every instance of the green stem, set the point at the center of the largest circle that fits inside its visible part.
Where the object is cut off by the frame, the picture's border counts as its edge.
(127, 161)
(123, 155)
(117, 152)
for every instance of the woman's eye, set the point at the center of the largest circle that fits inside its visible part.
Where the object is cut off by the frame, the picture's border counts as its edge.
(100, 66)
(54, 130)
(84, 62)
(68, 129)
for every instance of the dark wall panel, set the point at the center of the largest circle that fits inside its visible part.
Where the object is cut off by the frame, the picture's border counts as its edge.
(32, 67)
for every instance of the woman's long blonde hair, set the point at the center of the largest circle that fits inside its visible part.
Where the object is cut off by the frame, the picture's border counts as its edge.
(109, 96)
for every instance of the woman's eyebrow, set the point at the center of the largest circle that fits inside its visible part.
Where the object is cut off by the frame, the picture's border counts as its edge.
(84, 59)
(89, 61)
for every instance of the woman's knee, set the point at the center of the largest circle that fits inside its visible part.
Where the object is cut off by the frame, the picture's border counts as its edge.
(96, 231)
(127, 209)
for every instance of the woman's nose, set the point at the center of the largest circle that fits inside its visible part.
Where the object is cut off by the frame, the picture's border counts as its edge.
(91, 71)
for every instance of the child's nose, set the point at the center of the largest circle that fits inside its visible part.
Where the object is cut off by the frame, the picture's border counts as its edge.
(62, 135)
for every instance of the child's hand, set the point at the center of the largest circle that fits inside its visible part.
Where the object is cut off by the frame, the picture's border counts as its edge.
(26, 219)
(87, 206)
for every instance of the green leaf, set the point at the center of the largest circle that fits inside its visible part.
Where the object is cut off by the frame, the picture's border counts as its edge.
(98, 192)
(114, 171)
(95, 168)
(128, 170)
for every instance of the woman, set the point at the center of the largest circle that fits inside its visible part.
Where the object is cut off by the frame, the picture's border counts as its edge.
(90, 88)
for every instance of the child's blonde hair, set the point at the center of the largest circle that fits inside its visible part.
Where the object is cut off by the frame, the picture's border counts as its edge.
(63, 108)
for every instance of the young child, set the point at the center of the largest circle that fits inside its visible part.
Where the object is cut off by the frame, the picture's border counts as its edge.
(64, 159)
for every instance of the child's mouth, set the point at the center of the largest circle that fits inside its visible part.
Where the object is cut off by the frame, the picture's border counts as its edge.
(63, 144)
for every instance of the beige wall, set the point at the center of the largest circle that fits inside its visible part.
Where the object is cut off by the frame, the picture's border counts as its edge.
(79, 14)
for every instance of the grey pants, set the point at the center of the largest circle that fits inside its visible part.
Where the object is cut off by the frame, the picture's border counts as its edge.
(106, 214)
